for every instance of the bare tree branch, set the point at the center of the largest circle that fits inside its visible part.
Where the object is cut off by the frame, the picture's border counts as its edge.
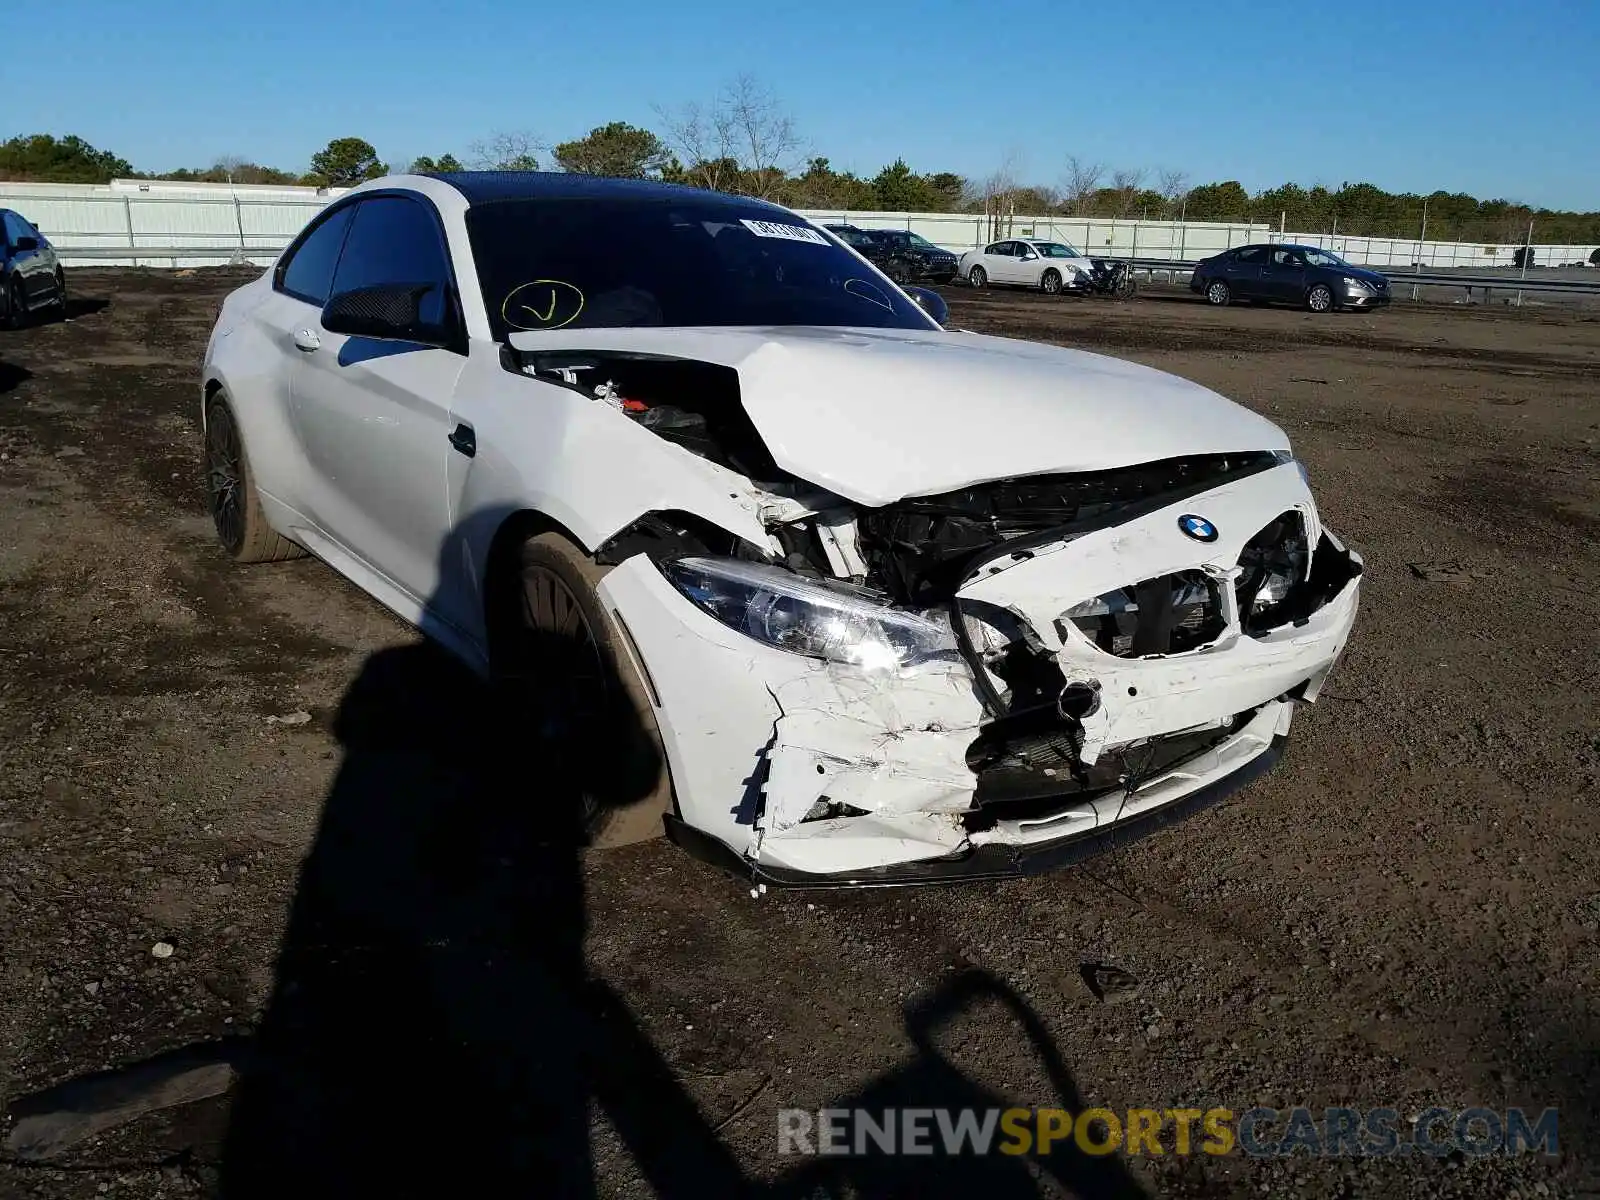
(1080, 182)
(514, 151)
(1125, 185)
(1173, 186)
(742, 141)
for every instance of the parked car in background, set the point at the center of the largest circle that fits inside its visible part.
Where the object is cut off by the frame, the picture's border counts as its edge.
(1286, 274)
(31, 277)
(712, 500)
(903, 256)
(1051, 266)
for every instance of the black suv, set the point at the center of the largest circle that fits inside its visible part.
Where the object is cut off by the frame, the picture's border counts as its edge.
(1305, 275)
(30, 275)
(903, 256)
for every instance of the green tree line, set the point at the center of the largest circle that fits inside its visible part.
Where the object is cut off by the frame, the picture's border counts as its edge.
(742, 143)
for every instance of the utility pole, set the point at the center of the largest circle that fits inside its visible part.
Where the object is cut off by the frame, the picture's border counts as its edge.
(1421, 237)
(1527, 253)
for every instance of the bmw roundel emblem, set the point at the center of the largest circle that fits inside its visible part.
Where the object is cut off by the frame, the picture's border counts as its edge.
(1200, 529)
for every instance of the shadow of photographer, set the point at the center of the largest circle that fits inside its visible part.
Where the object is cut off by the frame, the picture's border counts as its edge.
(433, 1021)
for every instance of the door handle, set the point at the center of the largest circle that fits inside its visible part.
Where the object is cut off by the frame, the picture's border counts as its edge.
(464, 440)
(307, 340)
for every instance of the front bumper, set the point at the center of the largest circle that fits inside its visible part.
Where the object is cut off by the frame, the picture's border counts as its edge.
(992, 861)
(797, 771)
(1365, 299)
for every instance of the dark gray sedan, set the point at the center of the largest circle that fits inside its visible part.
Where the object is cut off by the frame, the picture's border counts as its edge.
(31, 277)
(1307, 276)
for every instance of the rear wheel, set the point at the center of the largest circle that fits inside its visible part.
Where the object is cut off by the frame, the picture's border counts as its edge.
(15, 314)
(1218, 293)
(978, 277)
(562, 659)
(231, 493)
(1050, 282)
(1320, 298)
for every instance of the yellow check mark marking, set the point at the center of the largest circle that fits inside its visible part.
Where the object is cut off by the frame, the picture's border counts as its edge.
(543, 317)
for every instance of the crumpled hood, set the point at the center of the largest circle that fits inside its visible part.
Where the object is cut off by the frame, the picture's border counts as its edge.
(877, 415)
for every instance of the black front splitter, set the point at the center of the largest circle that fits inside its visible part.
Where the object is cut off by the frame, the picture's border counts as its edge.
(985, 862)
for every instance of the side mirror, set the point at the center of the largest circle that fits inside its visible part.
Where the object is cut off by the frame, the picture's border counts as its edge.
(391, 311)
(1028, 256)
(26, 243)
(930, 302)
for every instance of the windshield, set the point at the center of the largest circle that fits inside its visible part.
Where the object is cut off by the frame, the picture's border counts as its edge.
(1056, 250)
(920, 242)
(584, 264)
(1324, 258)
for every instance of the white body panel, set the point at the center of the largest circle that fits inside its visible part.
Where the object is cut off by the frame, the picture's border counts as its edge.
(349, 446)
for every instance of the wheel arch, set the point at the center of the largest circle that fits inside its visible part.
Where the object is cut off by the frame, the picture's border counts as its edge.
(502, 561)
(643, 818)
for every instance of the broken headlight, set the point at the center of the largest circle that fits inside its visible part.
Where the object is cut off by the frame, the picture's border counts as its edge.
(822, 620)
(1272, 563)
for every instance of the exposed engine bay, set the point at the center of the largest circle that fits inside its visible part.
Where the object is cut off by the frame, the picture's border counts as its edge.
(1056, 721)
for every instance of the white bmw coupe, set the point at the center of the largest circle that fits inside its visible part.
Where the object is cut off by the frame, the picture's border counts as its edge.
(827, 593)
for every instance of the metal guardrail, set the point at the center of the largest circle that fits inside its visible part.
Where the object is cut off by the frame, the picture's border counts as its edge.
(240, 255)
(1515, 283)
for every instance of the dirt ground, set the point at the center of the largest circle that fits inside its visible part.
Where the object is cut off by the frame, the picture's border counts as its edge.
(1403, 915)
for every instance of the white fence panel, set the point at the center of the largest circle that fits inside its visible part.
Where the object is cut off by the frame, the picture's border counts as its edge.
(259, 221)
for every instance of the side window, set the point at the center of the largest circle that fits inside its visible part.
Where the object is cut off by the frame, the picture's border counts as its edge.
(992, 248)
(396, 240)
(1252, 254)
(308, 275)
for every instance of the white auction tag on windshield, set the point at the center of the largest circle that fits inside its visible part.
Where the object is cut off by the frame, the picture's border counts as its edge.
(790, 233)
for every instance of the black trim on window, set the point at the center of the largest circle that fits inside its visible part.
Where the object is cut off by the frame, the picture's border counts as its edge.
(287, 256)
(457, 319)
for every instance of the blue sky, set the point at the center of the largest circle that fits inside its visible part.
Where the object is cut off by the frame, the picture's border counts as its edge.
(1476, 95)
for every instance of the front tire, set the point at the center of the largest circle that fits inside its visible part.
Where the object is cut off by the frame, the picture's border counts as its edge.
(231, 495)
(978, 278)
(563, 657)
(1050, 282)
(1320, 298)
(1218, 294)
(61, 293)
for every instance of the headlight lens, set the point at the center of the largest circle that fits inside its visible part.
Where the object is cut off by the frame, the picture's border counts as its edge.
(836, 622)
(1357, 285)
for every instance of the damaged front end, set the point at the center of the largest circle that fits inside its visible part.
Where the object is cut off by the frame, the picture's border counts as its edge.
(989, 681)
